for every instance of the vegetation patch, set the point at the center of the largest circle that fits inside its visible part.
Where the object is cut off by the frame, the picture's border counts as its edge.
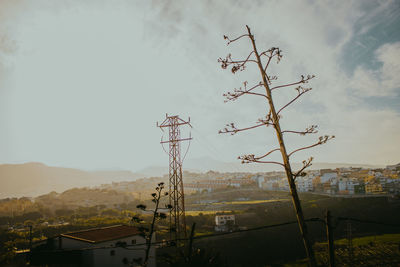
(250, 202)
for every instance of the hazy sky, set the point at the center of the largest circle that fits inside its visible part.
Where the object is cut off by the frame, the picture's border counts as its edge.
(82, 83)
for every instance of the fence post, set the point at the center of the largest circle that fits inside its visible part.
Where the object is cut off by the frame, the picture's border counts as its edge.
(329, 234)
(190, 248)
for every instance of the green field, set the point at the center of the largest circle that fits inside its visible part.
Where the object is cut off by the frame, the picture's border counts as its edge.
(205, 212)
(250, 202)
(386, 238)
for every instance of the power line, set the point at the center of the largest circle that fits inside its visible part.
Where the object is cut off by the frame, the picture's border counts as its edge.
(366, 221)
(170, 243)
(199, 237)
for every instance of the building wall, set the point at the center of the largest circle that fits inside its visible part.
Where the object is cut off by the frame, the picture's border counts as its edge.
(223, 219)
(327, 176)
(107, 254)
(116, 256)
(373, 188)
(304, 184)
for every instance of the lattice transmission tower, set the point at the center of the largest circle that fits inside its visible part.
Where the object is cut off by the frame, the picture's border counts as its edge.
(176, 194)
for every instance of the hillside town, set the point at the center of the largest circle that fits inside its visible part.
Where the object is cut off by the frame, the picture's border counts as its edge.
(339, 181)
(219, 203)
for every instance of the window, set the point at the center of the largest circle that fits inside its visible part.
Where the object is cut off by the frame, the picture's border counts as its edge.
(133, 241)
(112, 252)
(120, 244)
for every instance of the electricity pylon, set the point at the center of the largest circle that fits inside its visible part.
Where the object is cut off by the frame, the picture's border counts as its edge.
(176, 195)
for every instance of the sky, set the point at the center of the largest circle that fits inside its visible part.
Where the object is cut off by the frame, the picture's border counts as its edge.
(83, 83)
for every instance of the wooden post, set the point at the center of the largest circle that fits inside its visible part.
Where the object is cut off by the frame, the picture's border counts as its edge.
(30, 238)
(329, 235)
(190, 248)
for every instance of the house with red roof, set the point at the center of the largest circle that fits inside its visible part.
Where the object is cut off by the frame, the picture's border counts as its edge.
(118, 245)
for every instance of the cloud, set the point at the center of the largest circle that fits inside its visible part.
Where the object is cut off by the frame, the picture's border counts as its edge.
(89, 81)
(389, 54)
(383, 81)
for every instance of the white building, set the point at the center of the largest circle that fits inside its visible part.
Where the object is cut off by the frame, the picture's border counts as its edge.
(224, 222)
(328, 176)
(304, 184)
(259, 179)
(393, 167)
(110, 245)
(347, 185)
(270, 184)
(283, 184)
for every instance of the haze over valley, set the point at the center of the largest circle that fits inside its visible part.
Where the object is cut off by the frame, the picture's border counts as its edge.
(34, 179)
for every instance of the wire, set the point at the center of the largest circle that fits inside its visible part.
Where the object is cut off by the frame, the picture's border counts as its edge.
(366, 221)
(171, 243)
(162, 145)
(190, 141)
(196, 237)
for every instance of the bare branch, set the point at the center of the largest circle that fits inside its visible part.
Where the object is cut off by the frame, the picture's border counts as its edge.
(247, 59)
(267, 120)
(306, 164)
(272, 78)
(233, 40)
(309, 130)
(270, 53)
(231, 128)
(270, 162)
(252, 88)
(238, 65)
(321, 140)
(303, 80)
(231, 96)
(251, 158)
(257, 94)
(265, 155)
(300, 91)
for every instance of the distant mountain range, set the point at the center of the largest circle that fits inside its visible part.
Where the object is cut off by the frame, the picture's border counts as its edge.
(33, 179)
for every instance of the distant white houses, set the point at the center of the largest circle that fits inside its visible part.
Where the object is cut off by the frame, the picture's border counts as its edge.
(304, 184)
(218, 183)
(270, 184)
(259, 179)
(328, 175)
(393, 167)
(347, 185)
(224, 222)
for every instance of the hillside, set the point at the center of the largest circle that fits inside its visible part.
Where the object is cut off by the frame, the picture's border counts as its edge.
(33, 179)
(206, 164)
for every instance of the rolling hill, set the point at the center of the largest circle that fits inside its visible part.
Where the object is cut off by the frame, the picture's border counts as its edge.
(33, 179)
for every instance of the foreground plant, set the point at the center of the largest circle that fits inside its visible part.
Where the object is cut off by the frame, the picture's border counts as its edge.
(147, 233)
(272, 118)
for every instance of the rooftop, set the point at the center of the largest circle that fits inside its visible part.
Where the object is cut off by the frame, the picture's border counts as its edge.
(97, 235)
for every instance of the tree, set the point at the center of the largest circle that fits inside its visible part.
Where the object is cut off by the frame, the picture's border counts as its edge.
(156, 216)
(63, 212)
(272, 118)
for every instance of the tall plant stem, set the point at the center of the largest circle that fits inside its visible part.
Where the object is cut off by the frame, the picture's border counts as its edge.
(285, 157)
